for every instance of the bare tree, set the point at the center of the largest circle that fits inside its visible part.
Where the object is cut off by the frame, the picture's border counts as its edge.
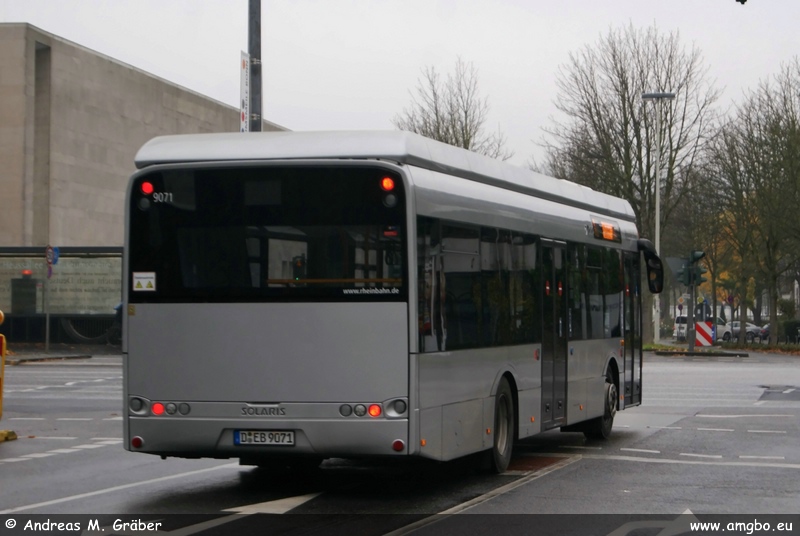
(755, 163)
(608, 136)
(452, 112)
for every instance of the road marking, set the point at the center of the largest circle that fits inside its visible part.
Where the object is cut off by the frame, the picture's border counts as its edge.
(665, 427)
(717, 429)
(26, 419)
(486, 496)
(281, 506)
(15, 460)
(754, 463)
(113, 419)
(89, 446)
(115, 488)
(787, 391)
(39, 455)
(580, 447)
(63, 451)
(61, 438)
(74, 419)
(647, 451)
(700, 455)
(762, 457)
(745, 416)
(767, 431)
(107, 439)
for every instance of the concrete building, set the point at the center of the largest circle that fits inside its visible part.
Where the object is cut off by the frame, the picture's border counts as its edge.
(71, 121)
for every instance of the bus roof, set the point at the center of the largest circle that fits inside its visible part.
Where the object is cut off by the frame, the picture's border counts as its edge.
(397, 146)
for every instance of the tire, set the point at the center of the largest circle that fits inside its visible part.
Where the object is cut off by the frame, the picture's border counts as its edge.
(504, 428)
(600, 427)
(749, 337)
(726, 336)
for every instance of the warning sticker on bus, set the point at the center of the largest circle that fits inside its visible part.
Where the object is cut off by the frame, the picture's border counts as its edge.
(144, 281)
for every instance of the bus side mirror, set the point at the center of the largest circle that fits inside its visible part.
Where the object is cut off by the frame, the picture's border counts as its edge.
(655, 273)
(655, 268)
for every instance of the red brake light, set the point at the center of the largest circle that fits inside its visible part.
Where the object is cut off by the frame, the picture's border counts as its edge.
(147, 187)
(158, 408)
(387, 183)
(374, 410)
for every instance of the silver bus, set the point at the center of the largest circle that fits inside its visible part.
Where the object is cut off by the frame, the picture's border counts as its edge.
(292, 297)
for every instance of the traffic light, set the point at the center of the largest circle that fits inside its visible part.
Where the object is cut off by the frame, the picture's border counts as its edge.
(696, 256)
(696, 269)
(699, 270)
(684, 274)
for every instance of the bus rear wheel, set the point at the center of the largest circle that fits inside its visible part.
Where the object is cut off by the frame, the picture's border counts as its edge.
(504, 428)
(600, 427)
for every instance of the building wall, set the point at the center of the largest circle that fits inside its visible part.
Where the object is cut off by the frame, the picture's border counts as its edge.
(71, 121)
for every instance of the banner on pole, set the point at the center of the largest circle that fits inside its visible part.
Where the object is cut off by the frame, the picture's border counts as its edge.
(244, 93)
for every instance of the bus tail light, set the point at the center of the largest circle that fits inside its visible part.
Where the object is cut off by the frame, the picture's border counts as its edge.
(137, 442)
(398, 445)
(387, 184)
(374, 410)
(157, 408)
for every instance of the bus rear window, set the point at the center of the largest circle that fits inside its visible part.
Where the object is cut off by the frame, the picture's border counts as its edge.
(267, 233)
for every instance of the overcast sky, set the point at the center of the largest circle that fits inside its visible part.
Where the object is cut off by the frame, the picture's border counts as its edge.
(350, 64)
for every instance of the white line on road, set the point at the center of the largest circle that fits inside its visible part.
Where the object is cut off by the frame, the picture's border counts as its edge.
(647, 451)
(762, 457)
(115, 488)
(700, 455)
(767, 431)
(717, 429)
(778, 415)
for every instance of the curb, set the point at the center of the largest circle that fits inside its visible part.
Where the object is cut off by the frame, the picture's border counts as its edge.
(19, 359)
(701, 353)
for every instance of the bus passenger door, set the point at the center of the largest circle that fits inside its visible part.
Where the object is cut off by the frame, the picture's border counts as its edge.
(554, 335)
(632, 388)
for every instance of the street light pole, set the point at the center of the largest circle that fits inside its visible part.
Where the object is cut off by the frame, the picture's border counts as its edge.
(656, 97)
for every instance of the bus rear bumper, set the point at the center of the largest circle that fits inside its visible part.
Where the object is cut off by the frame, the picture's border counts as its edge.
(212, 438)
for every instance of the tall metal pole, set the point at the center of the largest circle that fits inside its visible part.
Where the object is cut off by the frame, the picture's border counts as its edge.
(657, 300)
(254, 49)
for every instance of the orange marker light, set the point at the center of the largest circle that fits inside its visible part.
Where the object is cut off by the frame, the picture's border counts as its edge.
(387, 183)
(374, 410)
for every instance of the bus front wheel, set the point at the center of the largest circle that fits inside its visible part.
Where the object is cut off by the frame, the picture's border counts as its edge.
(504, 426)
(600, 427)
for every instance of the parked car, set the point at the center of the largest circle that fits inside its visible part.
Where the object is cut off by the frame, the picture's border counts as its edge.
(731, 331)
(682, 324)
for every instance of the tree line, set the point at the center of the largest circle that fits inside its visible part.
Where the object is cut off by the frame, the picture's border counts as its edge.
(729, 179)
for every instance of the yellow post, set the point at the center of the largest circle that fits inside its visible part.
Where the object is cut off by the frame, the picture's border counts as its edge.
(2, 363)
(5, 435)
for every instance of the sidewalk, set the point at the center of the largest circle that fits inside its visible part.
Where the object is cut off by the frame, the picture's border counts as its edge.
(18, 353)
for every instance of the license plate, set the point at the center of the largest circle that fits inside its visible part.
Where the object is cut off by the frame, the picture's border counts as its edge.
(263, 437)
